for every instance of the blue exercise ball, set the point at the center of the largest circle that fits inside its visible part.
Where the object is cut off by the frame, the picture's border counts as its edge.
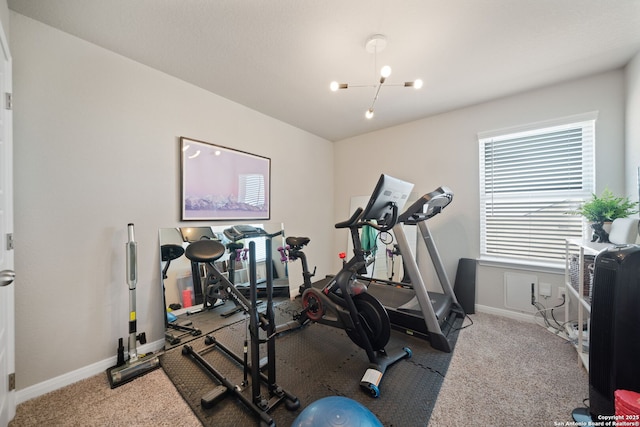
(336, 411)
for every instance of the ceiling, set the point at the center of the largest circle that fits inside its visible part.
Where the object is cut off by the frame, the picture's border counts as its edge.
(278, 57)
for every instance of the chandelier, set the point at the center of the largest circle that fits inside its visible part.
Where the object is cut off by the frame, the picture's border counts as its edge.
(374, 44)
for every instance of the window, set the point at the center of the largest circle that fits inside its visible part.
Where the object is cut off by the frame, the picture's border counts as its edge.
(530, 181)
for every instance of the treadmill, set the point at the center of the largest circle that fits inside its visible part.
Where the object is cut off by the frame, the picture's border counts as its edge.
(412, 309)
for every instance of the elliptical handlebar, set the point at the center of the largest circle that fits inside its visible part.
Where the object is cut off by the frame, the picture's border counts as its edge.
(272, 235)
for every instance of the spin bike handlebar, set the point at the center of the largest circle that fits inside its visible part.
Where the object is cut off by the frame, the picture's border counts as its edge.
(389, 222)
(356, 220)
(351, 222)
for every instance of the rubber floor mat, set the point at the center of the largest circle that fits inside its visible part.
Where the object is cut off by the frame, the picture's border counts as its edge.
(313, 362)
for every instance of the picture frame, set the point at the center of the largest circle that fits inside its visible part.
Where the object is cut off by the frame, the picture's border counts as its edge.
(223, 184)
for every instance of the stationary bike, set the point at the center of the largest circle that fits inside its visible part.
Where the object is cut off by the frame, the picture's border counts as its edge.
(294, 251)
(343, 302)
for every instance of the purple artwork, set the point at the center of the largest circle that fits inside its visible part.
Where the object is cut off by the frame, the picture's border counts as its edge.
(219, 183)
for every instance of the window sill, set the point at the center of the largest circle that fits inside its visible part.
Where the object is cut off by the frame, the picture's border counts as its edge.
(543, 267)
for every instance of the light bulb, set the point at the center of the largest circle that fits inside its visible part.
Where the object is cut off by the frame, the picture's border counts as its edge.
(334, 86)
(417, 84)
(369, 113)
(385, 71)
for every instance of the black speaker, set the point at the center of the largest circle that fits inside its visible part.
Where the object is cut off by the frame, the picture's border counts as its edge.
(614, 334)
(465, 285)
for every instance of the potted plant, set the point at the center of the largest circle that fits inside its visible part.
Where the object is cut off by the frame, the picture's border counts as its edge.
(604, 209)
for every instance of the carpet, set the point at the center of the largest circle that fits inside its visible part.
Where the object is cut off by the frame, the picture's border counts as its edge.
(315, 362)
(506, 372)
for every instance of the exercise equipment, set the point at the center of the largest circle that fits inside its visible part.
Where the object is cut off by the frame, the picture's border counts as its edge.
(136, 365)
(240, 232)
(207, 252)
(293, 251)
(237, 252)
(412, 309)
(343, 302)
(190, 235)
(336, 411)
(169, 253)
(214, 289)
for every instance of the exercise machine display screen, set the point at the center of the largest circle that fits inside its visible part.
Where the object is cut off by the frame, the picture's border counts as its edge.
(389, 192)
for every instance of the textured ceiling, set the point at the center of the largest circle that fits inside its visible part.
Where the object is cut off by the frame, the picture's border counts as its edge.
(279, 56)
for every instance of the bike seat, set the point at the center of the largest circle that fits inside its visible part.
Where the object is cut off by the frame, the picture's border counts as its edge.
(297, 241)
(171, 252)
(205, 251)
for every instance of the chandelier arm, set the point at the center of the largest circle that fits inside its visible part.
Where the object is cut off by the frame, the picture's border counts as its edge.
(350, 86)
(377, 92)
(375, 98)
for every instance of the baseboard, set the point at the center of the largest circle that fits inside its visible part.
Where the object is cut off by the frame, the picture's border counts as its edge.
(526, 317)
(100, 367)
(72, 377)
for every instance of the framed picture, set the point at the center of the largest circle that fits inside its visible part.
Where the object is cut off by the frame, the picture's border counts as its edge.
(220, 183)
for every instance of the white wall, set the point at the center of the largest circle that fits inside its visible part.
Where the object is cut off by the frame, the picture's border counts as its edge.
(96, 147)
(632, 126)
(4, 17)
(443, 150)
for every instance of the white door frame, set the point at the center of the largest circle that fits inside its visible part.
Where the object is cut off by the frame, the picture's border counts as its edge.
(7, 292)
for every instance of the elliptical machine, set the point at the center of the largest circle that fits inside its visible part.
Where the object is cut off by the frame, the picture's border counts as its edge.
(207, 252)
(343, 302)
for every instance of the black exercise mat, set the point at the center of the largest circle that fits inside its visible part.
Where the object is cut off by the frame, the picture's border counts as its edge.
(311, 363)
(210, 320)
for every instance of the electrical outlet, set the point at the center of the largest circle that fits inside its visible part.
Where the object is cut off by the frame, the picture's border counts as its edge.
(561, 292)
(545, 290)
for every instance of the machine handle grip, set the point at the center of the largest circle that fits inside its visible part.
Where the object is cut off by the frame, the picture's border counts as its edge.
(132, 259)
(351, 221)
(389, 223)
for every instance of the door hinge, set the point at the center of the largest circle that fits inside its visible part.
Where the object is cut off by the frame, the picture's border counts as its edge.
(8, 101)
(9, 241)
(12, 381)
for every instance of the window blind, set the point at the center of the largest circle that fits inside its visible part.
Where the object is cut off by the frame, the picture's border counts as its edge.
(252, 191)
(530, 182)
